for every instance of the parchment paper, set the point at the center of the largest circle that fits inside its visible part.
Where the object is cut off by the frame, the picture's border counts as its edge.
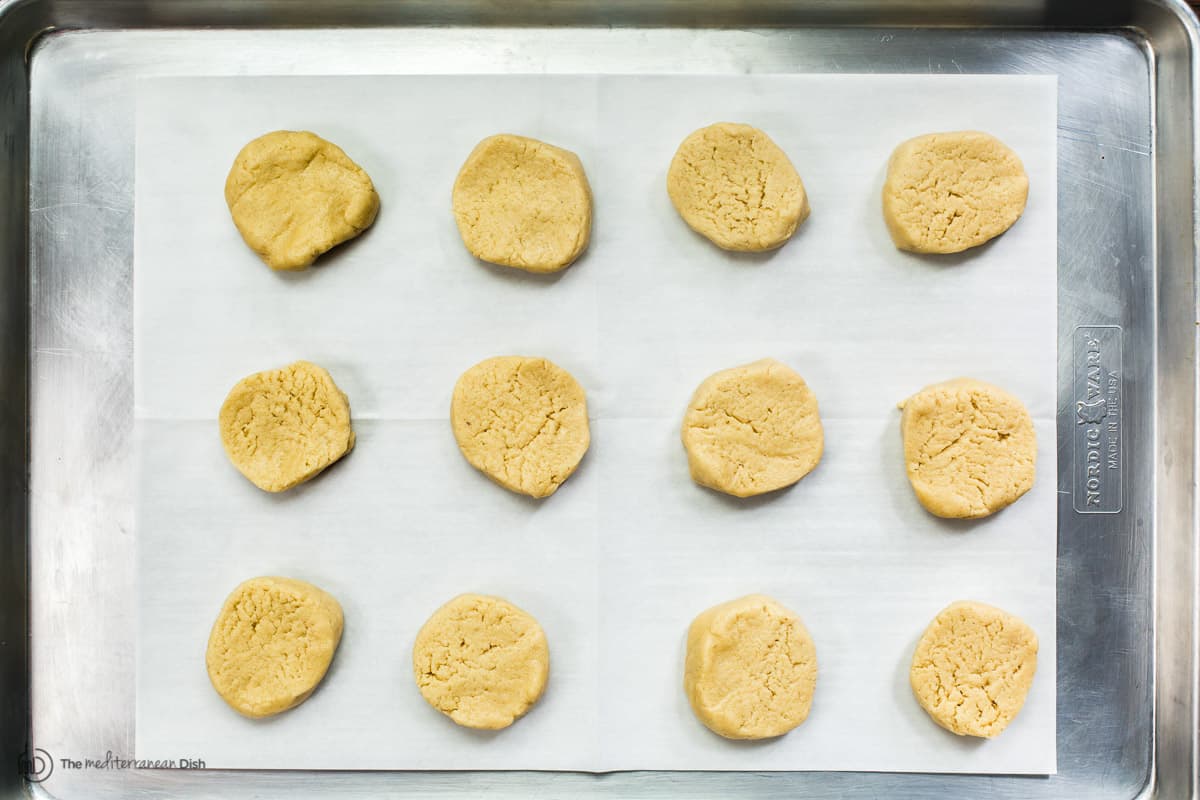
(619, 561)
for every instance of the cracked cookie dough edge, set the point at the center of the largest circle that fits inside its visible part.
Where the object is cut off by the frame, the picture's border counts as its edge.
(717, 235)
(326, 603)
(930, 498)
(893, 185)
(921, 663)
(541, 645)
(240, 177)
(698, 658)
(703, 471)
(227, 411)
(480, 465)
(575, 165)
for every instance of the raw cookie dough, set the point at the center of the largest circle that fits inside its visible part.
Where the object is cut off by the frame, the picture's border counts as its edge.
(523, 203)
(752, 429)
(481, 661)
(750, 669)
(283, 426)
(734, 186)
(521, 421)
(973, 667)
(947, 192)
(969, 448)
(271, 644)
(294, 196)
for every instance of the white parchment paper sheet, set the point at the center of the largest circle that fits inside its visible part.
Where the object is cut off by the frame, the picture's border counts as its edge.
(618, 562)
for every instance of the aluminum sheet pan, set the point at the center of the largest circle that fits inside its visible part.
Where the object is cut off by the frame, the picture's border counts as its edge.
(1127, 266)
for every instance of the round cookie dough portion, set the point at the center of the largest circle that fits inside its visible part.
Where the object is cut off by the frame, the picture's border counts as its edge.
(283, 426)
(973, 667)
(293, 196)
(523, 203)
(947, 192)
(969, 448)
(272, 644)
(734, 186)
(750, 669)
(521, 421)
(481, 661)
(752, 429)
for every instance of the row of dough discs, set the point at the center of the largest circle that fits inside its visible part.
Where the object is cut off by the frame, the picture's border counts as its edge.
(969, 447)
(523, 203)
(750, 671)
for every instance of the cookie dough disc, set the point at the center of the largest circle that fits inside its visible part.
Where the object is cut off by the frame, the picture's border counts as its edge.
(947, 192)
(521, 421)
(481, 661)
(969, 448)
(750, 668)
(283, 426)
(973, 667)
(752, 429)
(734, 186)
(294, 196)
(271, 644)
(523, 203)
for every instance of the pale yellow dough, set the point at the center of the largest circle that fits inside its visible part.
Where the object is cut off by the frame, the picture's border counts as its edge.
(293, 196)
(752, 429)
(973, 668)
(947, 192)
(283, 426)
(481, 661)
(521, 421)
(523, 203)
(733, 185)
(969, 448)
(272, 644)
(750, 669)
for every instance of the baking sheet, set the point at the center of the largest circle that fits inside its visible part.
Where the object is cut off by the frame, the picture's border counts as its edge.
(617, 563)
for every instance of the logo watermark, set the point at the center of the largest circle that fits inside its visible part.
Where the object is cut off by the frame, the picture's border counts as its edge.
(38, 765)
(35, 766)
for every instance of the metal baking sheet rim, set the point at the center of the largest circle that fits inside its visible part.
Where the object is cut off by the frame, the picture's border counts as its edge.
(1168, 33)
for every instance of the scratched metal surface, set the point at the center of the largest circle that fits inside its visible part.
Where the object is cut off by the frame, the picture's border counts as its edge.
(1126, 580)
